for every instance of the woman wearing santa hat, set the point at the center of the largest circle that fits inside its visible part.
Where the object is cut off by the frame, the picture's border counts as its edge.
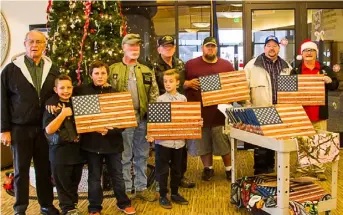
(317, 114)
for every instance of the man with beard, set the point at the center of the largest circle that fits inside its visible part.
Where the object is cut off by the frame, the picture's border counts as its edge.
(139, 80)
(317, 114)
(166, 60)
(262, 73)
(213, 141)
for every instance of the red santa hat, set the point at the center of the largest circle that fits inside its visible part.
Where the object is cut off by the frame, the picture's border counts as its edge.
(306, 44)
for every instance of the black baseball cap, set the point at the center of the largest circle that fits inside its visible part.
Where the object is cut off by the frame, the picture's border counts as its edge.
(209, 40)
(166, 40)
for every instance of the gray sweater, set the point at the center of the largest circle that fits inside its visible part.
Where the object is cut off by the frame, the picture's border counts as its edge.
(166, 97)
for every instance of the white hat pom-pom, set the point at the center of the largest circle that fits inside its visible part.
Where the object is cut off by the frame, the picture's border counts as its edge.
(299, 57)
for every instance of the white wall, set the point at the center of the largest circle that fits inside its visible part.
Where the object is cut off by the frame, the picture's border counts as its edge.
(19, 15)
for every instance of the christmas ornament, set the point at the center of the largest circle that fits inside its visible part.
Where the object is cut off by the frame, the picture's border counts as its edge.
(92, 31)
(319, 35)
(336, 68)
(284, 42)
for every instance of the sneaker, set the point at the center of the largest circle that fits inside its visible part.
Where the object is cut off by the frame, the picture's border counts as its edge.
(178, 199)
(321, 176)
(165, 203)
(128, 210)
(50, 211)
(207, 174)
(94, 213)
(146, 195)
(185, 183)
(228, 175)
(74, 212)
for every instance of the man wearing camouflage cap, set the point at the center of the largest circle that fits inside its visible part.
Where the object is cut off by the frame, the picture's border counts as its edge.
(139, 80)
(165, 61)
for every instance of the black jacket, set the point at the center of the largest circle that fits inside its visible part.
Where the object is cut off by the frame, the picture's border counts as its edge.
(67, 131)
(323, 110)
(112, 142)
(20, 103)
(160, 66)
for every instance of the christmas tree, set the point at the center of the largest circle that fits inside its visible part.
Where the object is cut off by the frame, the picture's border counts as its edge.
(84, 31)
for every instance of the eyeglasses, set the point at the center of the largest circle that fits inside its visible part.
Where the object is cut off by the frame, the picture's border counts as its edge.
(38, 42)
(309, 50)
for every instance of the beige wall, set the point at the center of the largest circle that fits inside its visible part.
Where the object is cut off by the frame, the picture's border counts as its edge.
(19, 15)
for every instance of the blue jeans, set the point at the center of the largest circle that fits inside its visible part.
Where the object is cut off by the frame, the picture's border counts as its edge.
(136, 146)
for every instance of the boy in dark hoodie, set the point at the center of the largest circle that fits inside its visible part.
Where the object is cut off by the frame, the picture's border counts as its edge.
(104, 144)
(64, 147)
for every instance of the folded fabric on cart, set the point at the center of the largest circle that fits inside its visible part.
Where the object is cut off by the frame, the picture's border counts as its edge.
(280, 121)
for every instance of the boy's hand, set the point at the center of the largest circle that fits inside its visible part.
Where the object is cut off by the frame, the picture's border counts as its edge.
(66, 111)
(103, 131)
(201, 122)
(52, 108)
(149, 138)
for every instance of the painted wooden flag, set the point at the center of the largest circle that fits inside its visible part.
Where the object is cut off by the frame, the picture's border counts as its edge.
(174, 120)
(95, 112)
(301, 89)
(223, 88)
(280, 121)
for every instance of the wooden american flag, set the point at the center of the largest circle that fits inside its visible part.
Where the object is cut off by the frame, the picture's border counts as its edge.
(280, 121)
(94, 112)
(301, 89)
(174, 120)
(224, 88)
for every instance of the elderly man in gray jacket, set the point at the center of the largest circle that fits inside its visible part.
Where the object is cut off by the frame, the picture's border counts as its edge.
(262, 73)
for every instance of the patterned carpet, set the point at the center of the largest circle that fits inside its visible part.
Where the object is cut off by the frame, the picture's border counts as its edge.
(208, 198)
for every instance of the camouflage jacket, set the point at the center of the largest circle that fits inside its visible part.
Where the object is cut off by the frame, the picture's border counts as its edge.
(160, 66)
(146, 83)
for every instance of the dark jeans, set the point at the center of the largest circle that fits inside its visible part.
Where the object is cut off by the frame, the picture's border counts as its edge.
(29, 142)
(183, 167)
(114, 167)
(184, 162)
(264, 159)
(166, 158)
(67, 179)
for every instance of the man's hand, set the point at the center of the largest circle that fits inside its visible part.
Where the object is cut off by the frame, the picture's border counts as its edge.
(6, 138)
(52, 108)
(327, 79)
(194, 84)
(66, 111)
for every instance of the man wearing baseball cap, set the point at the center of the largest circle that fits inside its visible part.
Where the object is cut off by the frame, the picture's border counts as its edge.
(166, 60)
(317, 114)
(213, 141)
(262, 73)
(139, 80)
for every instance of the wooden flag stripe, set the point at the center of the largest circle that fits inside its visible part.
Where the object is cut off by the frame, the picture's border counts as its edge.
(294, 123)
(234, 87)
(116, 111)
(185, 117)
(311, 91)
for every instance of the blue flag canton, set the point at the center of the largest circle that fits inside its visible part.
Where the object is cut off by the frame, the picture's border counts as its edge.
(267, 116)
(159, 112)
(86, 105)
(287, 83)
(210, 83)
